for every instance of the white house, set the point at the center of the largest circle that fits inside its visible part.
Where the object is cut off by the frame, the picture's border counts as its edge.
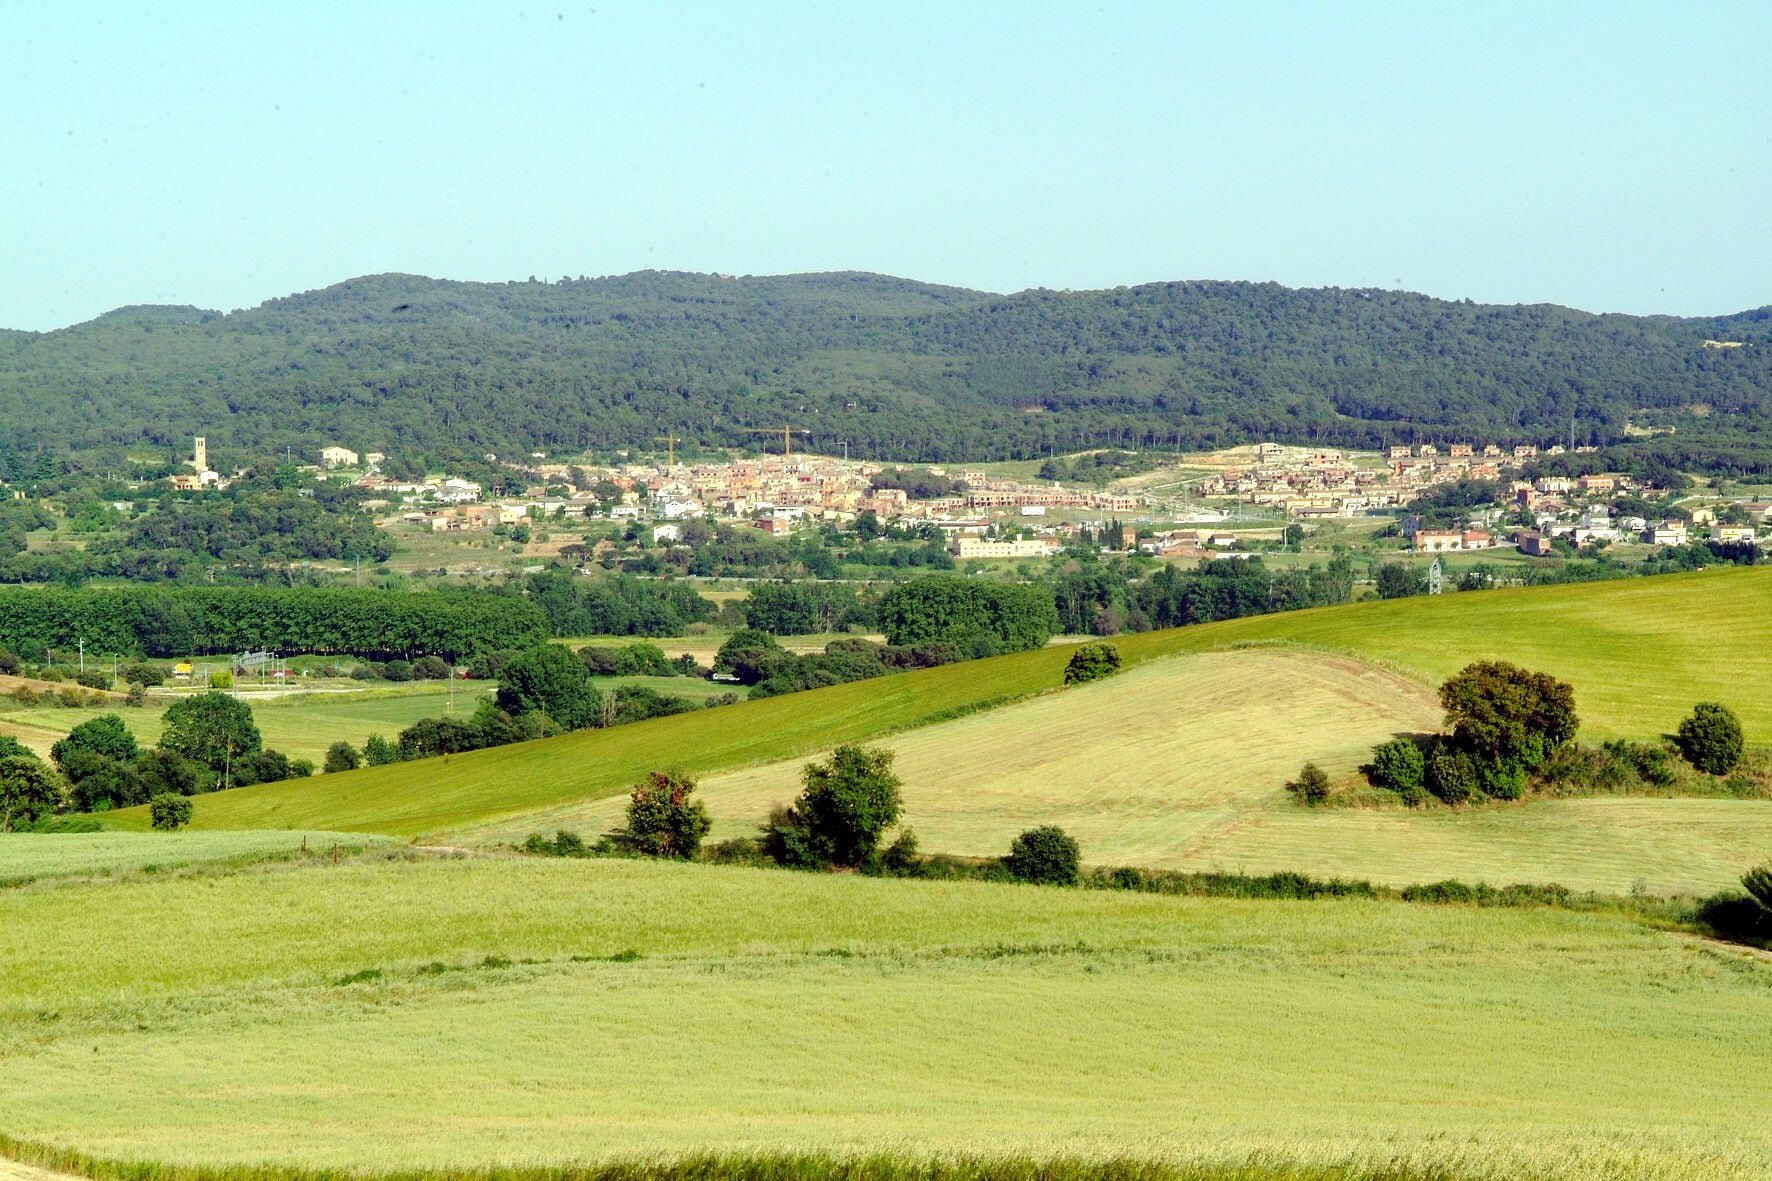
(337, 457)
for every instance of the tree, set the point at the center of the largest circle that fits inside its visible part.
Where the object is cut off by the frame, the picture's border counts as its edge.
(1091, 662)
(1311, 786)
(1399, 766)
(1710, 737)
(1397, 580)
(379, 752)
(212, 729)
(978, 617)
(106, 736)
(847, 803)
(1508, 720)
(169, 810)
(164, 771)
(751, 656)
(1046, 856)
(342, 756)
(551, 680)
(662, 820)
(28, 789)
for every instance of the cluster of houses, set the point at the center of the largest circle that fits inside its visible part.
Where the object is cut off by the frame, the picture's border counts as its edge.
(1324, 483)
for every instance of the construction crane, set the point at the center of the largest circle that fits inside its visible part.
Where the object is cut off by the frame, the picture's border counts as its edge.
(787, 436)
(670, 441)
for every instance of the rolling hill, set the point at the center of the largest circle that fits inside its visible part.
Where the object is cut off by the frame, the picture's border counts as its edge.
(1222, 728)
(532, 1019)
(890, 367)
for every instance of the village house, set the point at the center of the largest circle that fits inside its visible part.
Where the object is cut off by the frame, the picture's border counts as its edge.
(331, 457)
(1667, 533)
(969, 548)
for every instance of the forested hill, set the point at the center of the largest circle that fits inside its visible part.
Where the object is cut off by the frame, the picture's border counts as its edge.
(899, 369)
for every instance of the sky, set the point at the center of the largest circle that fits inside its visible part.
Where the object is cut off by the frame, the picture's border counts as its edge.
(1609, 156)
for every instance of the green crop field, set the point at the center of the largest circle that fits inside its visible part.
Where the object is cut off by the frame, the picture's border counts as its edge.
(1181, 763)
(1639, 652)
(381, 1015)
(28, 857)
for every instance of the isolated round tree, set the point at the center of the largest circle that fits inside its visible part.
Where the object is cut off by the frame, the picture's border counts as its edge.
(1711, 739)
(1046, 856)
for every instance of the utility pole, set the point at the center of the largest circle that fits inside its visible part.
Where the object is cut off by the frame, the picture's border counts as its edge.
(82, 654)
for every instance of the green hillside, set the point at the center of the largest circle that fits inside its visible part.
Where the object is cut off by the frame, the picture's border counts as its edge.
(1181, 764)
(1639, 652)
(894, 368)
(506, 1014)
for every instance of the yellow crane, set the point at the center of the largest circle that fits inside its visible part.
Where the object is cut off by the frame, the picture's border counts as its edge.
(787, 436)
(670, 441)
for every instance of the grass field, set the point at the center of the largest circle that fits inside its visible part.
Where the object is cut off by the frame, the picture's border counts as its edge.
(301, 725)
(1639, 652)
(1141, 768)
(1180, 763)
(287, 1015)
(30, 857)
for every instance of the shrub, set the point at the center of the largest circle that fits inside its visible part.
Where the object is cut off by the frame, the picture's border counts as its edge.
(1452, 774)
(847, 803)
(221, 679)
(1758, 884)
(1046, 856)
(1710, 738)
(92, 679)
(379, 752)
(301, 768)
(565, 843)
(136, 697)
(430, 668)
(1091, 662)
(397, 670)
(342, 756)
(1311, 786)
(662, 820)
(900, 858)
(168, 811)
(1399, 766)
(143, 673)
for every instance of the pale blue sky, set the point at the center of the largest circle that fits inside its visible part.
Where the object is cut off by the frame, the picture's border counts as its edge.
(1612, 156)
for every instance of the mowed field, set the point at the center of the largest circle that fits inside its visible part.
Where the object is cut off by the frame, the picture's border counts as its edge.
(1181, 763)
(1639, 652)
(383, 1015)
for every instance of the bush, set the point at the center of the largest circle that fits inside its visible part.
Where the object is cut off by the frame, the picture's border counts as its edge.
(136, 697)
(565, 843)
(221, 679)
(92, 679)
(1710, 738)
(342, 756)
(1311, 786)
(168, 811)
(1091, 662)
(900, 858)
(662, 820)
(1399, 766)
(397, 670)
(430, 668)
(1452, 774)
(143, 673)
(1758, 884)
(1046, 856)
(848, 802)
(379, 752)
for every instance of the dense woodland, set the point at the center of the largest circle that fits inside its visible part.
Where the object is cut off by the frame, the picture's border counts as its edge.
(893, 368)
